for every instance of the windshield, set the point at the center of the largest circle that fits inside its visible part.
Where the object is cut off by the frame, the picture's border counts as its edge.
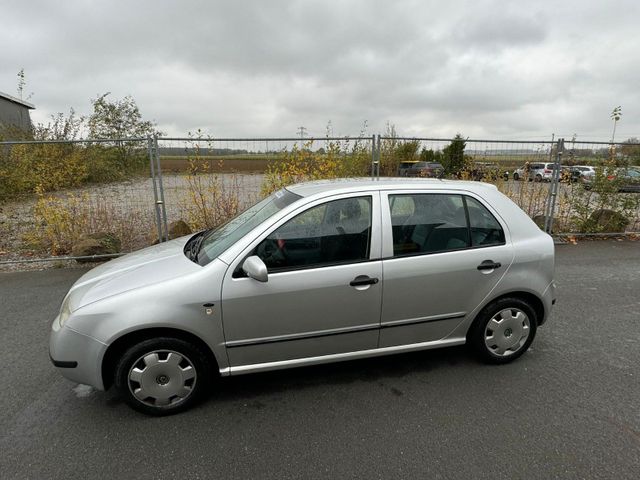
(216, 241)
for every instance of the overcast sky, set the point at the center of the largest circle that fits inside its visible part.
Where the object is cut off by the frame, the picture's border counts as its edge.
(492, 69)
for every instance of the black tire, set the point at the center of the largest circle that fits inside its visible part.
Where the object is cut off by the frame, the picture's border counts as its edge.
(193, 359)
(516, 177)
(477, 339)
(538, 178)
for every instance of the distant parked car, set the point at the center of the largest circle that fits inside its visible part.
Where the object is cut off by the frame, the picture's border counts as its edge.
(425, 169)
(586, 171)
(629, 179)
(404, 167)
(318, 272)
(570, 174)
(534, 172)
(541, 172)
(518, 173)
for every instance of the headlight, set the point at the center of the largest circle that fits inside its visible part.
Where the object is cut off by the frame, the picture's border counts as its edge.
(65, 311)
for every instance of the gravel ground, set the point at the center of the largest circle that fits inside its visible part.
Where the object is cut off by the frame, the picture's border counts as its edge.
(132, 200)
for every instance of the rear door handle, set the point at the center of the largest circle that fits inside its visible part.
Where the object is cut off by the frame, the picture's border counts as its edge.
(363, 280)
(489, 265)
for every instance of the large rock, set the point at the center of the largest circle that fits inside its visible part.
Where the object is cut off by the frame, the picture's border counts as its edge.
(100, 243)
(608, 221)
(177, 229)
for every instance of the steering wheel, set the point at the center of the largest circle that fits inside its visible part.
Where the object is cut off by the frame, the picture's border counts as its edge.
(272, 251)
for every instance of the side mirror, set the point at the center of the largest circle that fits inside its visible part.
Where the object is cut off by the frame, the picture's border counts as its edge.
(255, 268)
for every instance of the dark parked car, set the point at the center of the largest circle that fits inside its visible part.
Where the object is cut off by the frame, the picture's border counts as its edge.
(404, 167)
(425, 169)
(570, 174)
(629, 179)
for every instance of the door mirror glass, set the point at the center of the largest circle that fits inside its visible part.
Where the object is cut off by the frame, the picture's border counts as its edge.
(255, 268)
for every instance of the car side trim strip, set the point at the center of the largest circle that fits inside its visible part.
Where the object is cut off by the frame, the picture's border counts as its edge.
(433, 318)
(341, 331)
(300, 362)
(301, 336)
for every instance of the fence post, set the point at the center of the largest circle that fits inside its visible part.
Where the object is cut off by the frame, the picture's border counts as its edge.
(553, 188)
(156, 204)
(373, 156)
(378, 159)
(160, 201)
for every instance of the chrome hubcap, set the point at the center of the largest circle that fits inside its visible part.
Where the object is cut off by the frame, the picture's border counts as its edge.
(162, 377)
(507, 332)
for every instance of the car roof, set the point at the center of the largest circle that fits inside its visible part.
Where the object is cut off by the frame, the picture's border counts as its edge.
(346, 185)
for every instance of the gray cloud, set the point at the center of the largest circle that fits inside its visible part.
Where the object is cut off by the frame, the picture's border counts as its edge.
(484, 68)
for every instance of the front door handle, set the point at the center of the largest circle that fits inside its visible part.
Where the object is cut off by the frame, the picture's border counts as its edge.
(361, 280)
(489, 265)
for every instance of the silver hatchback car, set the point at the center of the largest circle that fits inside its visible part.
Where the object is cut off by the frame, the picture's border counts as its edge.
(317, 272)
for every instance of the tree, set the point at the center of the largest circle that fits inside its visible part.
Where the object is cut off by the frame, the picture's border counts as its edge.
(119, 120)
(407, 151)
(453, 155)
(430, 155)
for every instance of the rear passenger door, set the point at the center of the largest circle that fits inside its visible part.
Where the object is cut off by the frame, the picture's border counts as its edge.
(433, 246)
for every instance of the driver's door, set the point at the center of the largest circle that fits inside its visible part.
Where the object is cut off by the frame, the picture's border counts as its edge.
(310, 305)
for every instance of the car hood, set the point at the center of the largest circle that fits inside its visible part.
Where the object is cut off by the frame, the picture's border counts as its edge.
(145, 267)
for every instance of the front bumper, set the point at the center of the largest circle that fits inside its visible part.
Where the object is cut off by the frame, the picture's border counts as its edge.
(77, 357)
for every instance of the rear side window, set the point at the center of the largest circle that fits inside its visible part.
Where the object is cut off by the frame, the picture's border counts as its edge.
(328, 234)
(432, 223)
(485, 229)
(428, 223)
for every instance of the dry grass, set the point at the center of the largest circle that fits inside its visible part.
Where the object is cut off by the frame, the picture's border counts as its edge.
(208, 201)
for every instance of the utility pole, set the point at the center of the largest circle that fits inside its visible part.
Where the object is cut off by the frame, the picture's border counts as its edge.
(302, 131)
(615, 116)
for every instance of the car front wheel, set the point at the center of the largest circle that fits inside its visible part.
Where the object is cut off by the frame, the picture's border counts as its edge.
(503, 330)
(516, 177)
(162, 376)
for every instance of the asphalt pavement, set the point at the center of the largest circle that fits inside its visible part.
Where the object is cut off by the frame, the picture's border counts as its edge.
(569, 408)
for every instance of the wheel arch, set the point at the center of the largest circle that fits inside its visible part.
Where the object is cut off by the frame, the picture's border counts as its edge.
(531, 298)
(121, 344)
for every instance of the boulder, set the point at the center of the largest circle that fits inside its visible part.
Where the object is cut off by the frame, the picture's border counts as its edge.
(177, 229)
(100, 243)
(608, 221)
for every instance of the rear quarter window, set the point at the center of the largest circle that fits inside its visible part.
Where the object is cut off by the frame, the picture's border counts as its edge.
(484, 228)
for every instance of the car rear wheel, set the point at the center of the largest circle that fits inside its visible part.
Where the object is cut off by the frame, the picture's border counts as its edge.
(516, 177)
(503, 331)
(163, 376)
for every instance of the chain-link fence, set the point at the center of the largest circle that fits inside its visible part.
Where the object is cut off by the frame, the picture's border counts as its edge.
(103, 197)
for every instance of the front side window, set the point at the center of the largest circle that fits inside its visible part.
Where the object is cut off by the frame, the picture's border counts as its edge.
(328, 234)
(216, 241)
